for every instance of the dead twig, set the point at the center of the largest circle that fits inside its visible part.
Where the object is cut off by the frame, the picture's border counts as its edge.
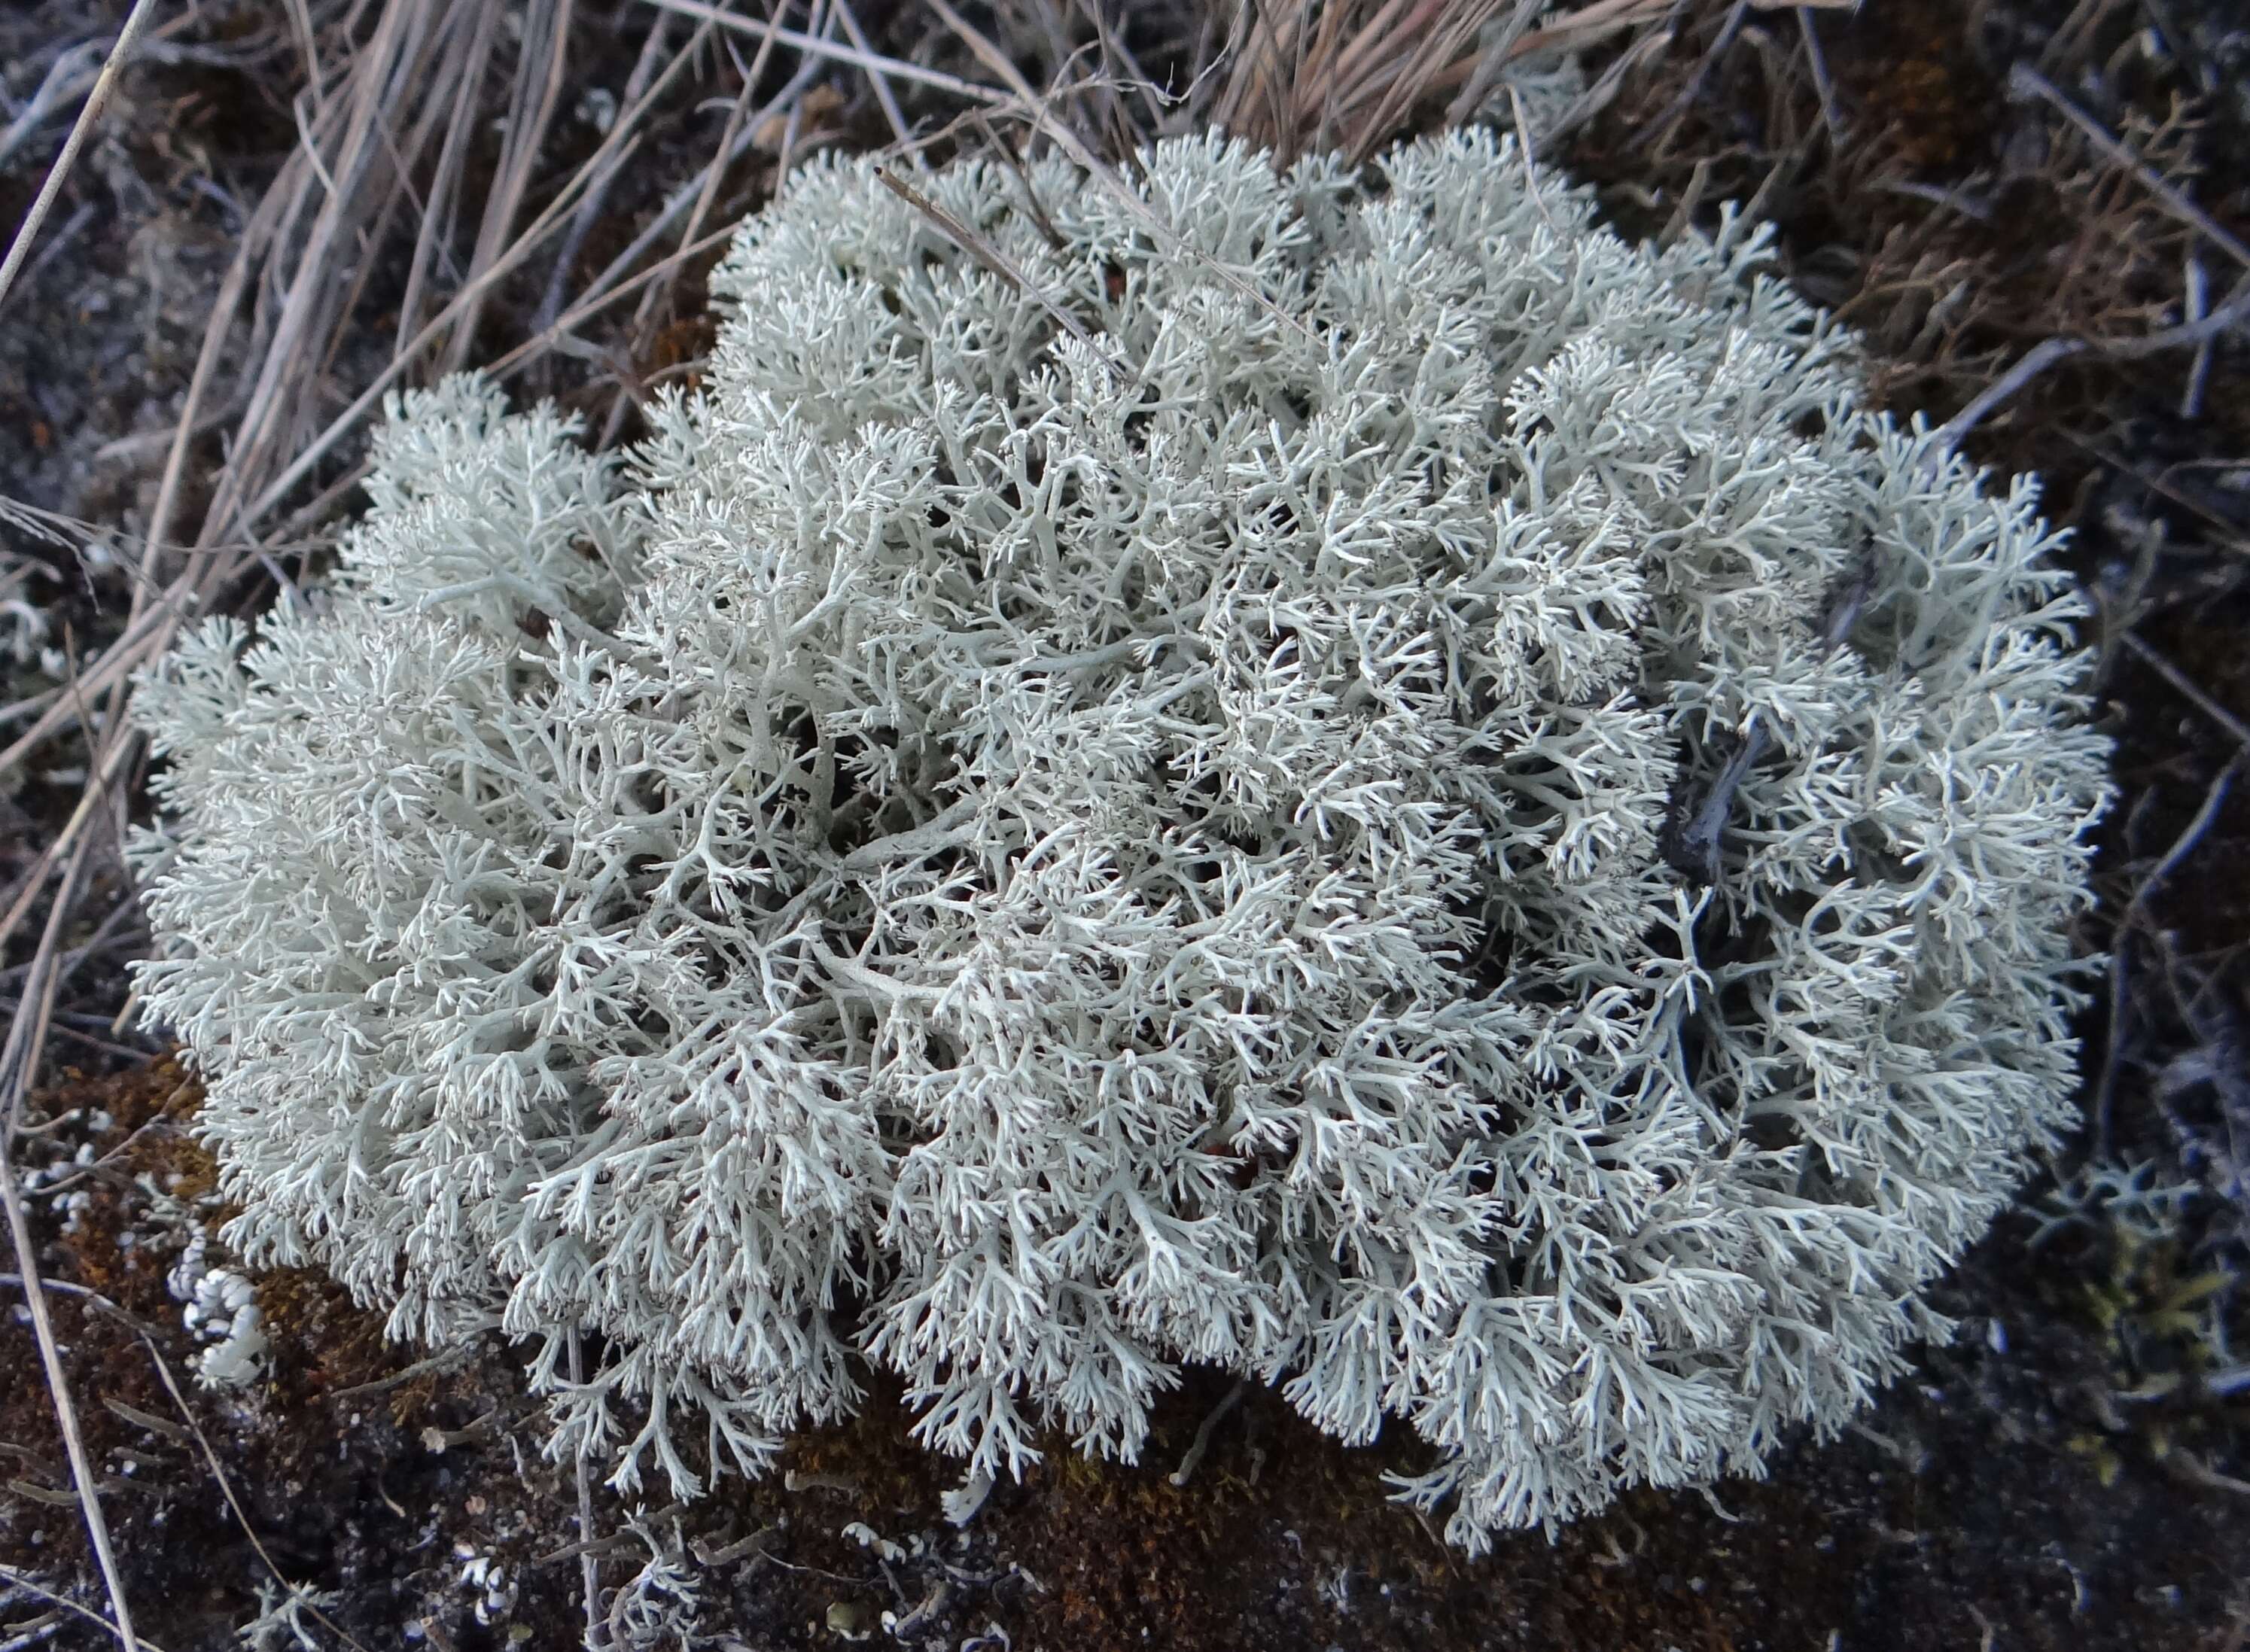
(590, 208)
(878, 79)
(74, 70)
(741, 129)
(2186, 687)
(2051, 352)
(2130, 918)
(2025, 82)
(537, 92)
(2128, 921)
(2198, 307)
(1822, 83)
(585, 310)
(1662, 124)
(1103, 174)
(1347, 74)
(1589, 25)
(590, 1564)
(1200, 1446)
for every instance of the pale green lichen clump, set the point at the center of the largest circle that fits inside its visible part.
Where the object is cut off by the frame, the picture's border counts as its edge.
(1030, 852)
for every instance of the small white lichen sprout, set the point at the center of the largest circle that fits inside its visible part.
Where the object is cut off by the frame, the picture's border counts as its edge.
(1030, 856)
(281, 1625)
(220, 1310)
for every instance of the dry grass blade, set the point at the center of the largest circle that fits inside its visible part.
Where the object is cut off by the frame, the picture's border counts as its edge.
(741, 130)
(62, 1603)
(531, 110)
(72, 72)
(561, 329)
(1350, 74)
(1661, 126)
(1591, 24)
(590, 208)
(342, 185)
(468, 71)
(817, 46)
(604, 288)
(615, 148)
(226, 1486)
(878, 79)
(590, 1563)
(395, 91)
(986, 254)
(383, 75)
(1100, 170)
(19, 1062)
(97, 100)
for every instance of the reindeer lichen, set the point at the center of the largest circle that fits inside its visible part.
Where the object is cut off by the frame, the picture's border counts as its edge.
(1098, 798)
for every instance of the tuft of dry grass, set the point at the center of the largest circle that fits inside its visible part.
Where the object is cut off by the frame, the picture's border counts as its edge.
(1352, 75)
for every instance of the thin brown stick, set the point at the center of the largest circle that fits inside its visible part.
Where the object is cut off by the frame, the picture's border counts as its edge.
(590, 209)
(2198, 371)
(451, 156)
(2185, 686)
(2129, 921)
(1115, 54)
(531, 111)
(682, 200)
(1590, 25)
(141, 638)
(1823, 82)
(72, 74)
(231, 292)
(586, 309)
(1661, 126)
(393, 53)
(590, 1563)
(2224, 530)
(614, 149)
(988, 255)
(739, 121)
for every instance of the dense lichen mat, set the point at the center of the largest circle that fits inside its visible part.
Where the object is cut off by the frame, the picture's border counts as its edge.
(1341, 777)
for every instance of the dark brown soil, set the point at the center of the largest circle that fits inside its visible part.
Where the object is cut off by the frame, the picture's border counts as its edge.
(1989, 1493)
